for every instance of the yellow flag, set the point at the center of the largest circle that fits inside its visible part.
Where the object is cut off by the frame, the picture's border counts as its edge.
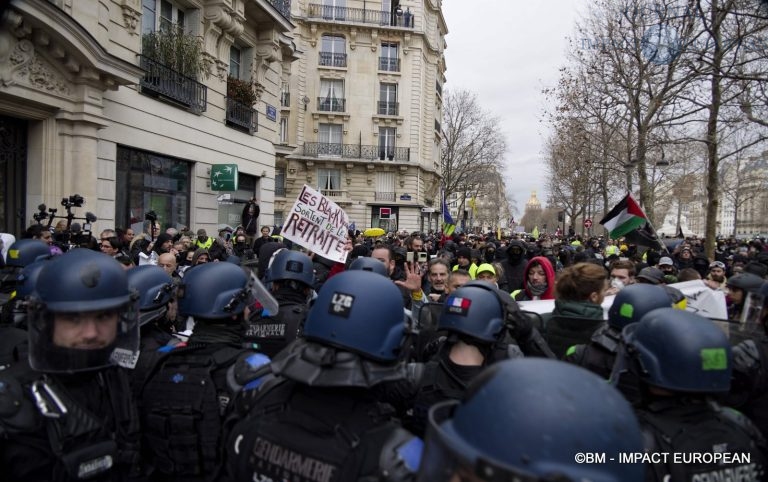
(535, 232)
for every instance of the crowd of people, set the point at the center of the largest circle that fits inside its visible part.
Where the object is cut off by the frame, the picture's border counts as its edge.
(164, 356)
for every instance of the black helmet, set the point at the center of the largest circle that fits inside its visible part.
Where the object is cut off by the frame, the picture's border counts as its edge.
(748, 282)
(680, 351)
(361, 312)
(82, 315)
(155, 288)
(214, 291)
(506, 428)
(366, 263)
(634, 301)
(475, 310)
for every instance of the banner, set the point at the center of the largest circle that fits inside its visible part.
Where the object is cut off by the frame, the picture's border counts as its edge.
(318, 224)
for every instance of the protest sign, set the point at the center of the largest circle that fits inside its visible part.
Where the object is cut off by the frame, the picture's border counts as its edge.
(318, 224)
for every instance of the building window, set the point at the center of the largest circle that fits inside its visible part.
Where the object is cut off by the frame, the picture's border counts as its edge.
(329, 181)
(283, 130)
(151, 182)
(329, 138)
(334, 9)
(234, 62)
(385, 186)
(285, 94)
(387, 143)
(388, 60)
(280, 181)
(388, 99)
(160, 15)
(331, 95)
(333, 51)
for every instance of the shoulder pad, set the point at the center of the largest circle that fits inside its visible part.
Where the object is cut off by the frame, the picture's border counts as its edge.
(251, 367)
(400, 456)
(17, 411)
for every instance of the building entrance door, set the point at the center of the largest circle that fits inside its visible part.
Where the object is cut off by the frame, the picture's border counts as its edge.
(13, 175)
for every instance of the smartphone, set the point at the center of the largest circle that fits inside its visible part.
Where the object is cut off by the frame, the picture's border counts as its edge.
(422, 257)
(409, 256)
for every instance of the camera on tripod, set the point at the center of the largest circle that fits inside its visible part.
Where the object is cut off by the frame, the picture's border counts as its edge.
(74, 200)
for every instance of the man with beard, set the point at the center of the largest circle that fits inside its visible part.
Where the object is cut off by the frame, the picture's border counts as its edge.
(716, 278)
(438, 277)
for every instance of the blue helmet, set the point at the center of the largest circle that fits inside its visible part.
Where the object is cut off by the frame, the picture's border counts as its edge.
(26, 251)
(27, 279)
(366, 263)
(509, 426)
(475, 310)
(291, 265)
(214, 291)
(680, 351)
(155, 288)
(634, 301)
(82, 314)
(361, 312)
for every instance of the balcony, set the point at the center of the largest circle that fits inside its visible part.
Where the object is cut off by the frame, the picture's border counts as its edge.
(357, 151)
(285, 99)
(336, 195)
(242, 117)
(331, 104)
(384, 196)
(388, 108)
(360, 15)
(389, 64)
(330, 59)
(164, 82)
(282, 6)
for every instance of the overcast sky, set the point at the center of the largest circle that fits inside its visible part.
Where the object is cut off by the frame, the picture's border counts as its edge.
(507, 51)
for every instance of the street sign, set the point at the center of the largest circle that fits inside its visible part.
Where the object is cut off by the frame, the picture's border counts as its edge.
(587, 223)
(224, 177)
(405, 197)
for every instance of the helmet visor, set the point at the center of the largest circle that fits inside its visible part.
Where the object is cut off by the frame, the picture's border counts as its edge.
(70, 342)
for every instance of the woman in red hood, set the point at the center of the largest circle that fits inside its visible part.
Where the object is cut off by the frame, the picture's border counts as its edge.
(539, 279)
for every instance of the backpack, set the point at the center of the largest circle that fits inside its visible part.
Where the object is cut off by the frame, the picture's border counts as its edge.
(183, 403)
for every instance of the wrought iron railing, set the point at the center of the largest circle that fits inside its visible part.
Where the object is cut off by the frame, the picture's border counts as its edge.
(333, 193)
(331, 104)
(384, 196)
(361, 15)
(282, 6)
(388, 108)
(242, 116)
(357, 151)
(389, 64)
(161, 80)
(331, 59)
(285, 99)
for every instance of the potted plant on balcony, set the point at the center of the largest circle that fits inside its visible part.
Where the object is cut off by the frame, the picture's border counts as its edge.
(242, 91)
(177, 50)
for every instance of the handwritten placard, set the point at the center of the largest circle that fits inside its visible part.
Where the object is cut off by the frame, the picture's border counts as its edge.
(318, 224)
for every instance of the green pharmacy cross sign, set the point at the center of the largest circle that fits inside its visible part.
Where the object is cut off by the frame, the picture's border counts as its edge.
(224, 177)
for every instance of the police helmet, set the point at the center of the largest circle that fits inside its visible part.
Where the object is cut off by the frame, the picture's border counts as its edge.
(82, 314)
(632, 302)
(155, 288)
(214, 291)
(475, 310)
(680, 351)
(750, 283)
(25, 251)
(291, 265)
(27, 279)
(506, 427)
(361, 312)
(366, 263)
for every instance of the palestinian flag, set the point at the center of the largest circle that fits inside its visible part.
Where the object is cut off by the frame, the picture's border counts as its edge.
(624, 218)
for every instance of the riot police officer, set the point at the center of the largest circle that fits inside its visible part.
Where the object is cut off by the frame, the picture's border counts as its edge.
(511, 426)
(318, 419)
(68, 414)
(187, 394)
(682, 360)
(291, 277)
(629, 305)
